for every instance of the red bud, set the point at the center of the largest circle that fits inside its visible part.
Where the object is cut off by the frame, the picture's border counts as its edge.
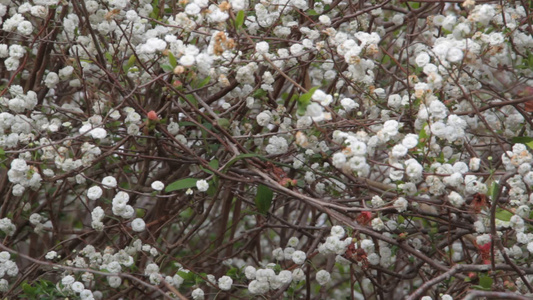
(152, 115)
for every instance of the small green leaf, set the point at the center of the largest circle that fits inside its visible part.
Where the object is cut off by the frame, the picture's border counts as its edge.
(223, 122)
(312, 12)
(181, 184)
(239, 20)
(528, 141)
(259, 93)
(167, 68)
(239, 157)
(187, 276)
(130, 63)
(263, 199)
(213, 164)
(202, 83)
(306, 98)
(493, 191)
(503, 215)
(486, 281)
(172, 60)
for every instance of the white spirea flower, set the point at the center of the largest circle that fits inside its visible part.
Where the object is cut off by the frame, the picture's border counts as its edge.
(225, 282)
(410, 140)
(158, 185)
(299, 257)
(109, 182)
(249, 272)
(456, 199)
(67, 280)
(197, 294)
(98, 133)
(202, 185)
(324, 19)
(293, 242)
(77, 287)
(401, 204)
(349, 104)
(187, 60)
(323, 277)
(263, 118)
(25, 28)
(114, 281)
(422, 59)
(51, 80)
(337, 231)
(51, 255)
(262, 47)
(138, 225)
(94, 193)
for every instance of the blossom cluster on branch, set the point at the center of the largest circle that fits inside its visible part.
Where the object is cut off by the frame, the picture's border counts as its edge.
(273, 149)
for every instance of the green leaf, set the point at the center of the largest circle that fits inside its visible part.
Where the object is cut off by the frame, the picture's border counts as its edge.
(485, 281)
(172, 59)
(306, 98)
(202, 83)
(187, 276)
(259, 93)
(167, 68)
(239, 157)
(503, 215)
(312, 12)
(223, 122)
(239, 20)
(130, 63)
(493, 191)
(528, 141)
(263, 199)
(213, 164)
(181, 184)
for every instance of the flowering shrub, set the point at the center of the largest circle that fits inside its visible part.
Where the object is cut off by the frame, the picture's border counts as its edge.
(271, 149)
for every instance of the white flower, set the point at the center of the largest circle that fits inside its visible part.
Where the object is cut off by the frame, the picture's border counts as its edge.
(400, 204)
(197, 294)
(298, 257)
(192, 9)
(51, 80)
(94, 193)
(67, 280)
(249, 271)
(114, 281)
(293, 242)
(98, 133)
(337, 231)
(257, 287)
(19, 165)
(323, 277)
(158, 185)
(324, 19)
(422, 59)
(410, 140)
(202, 185)
(263, 118)
(77, 287)
(187, 60)
(138, 225)
(261, 47)
(298, 274)
(25, 28)
(399, 150)
(348, 104)
(51, 255)
(109, 182)
(225, 282)
(456, 199)
(454, 55)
